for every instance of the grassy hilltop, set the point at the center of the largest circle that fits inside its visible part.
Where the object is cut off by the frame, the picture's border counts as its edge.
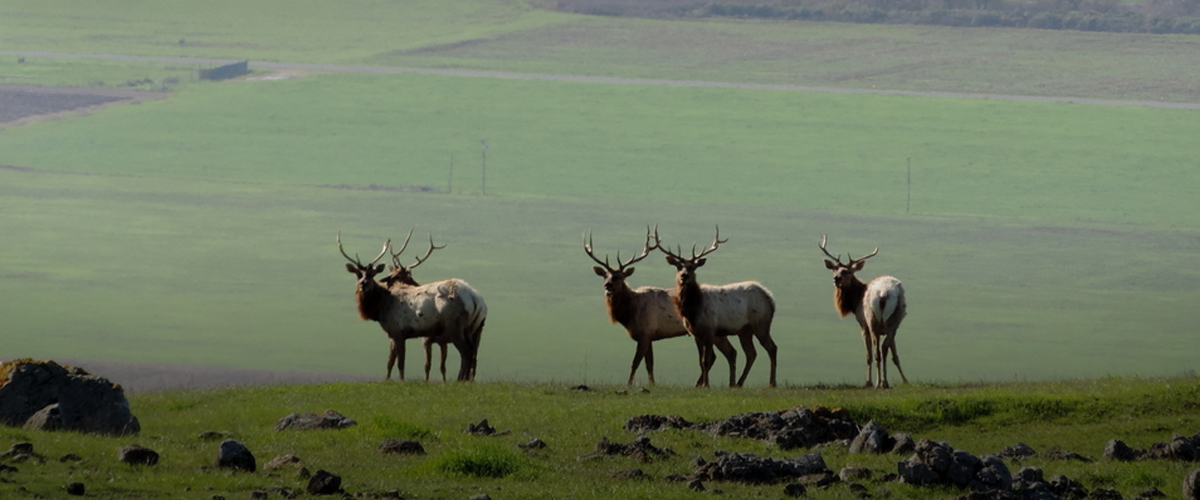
(1076, 416)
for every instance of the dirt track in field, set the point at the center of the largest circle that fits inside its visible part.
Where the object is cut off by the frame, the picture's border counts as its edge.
(310, 68)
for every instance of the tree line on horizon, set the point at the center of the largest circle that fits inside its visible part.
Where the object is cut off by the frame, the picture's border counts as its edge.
(1148, 16)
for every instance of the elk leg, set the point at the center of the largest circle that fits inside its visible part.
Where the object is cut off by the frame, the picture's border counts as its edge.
(870, 352)
(722, 344)
(398, 353)
(427, 343)
(764, 339)
(442, 347)
(391, 358)
(747, 340)
(464, 348)
(891, 345)
(881, 361)
(637, 361)
(702, 352)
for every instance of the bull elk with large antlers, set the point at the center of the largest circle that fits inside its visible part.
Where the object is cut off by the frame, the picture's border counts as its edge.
(879, 307)
(400, 277)
(647, 313)
(438, 309)
(709, 312)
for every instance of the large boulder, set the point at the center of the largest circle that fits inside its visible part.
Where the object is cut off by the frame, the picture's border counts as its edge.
(43, 395)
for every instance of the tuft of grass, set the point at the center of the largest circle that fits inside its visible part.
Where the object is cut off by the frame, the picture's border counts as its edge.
(480, 461)
(393, 428)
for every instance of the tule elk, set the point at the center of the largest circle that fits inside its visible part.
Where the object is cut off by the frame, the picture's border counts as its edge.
(709, 312)
(433, 310)
(879, 307)
(647, 313)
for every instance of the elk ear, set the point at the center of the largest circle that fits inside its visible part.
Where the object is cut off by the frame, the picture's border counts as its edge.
(378, 269)
(672, 261)
(352, 268)
(701, 262)
(858, 266)
(629, 272)
(600, 271)
(830, 265)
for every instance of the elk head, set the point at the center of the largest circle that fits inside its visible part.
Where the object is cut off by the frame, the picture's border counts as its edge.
(614, 279)
(685, 269)
(398, 273)
(365, 272)
(843, 274)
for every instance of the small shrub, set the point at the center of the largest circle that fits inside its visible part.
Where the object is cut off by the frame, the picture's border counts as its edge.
(483, 461)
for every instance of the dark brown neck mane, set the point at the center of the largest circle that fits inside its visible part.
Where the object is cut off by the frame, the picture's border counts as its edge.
(372, 302)
(621, 307)
(689, 301)
(847, 300)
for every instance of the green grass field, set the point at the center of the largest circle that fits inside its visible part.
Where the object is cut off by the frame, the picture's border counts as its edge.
(1044, 240)
(1076, 416)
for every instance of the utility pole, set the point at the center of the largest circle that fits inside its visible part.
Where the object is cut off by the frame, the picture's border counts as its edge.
(483, 155)
(908, 203)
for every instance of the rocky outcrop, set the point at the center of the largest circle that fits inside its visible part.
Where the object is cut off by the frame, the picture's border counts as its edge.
(797, 427)
(44, 395)
(312, 421)
(752, 469)
(640, 450)
(938, 464)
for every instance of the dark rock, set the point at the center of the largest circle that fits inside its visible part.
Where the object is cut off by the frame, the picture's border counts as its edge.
(795, 490)
(1191, 485)
(917, 473)
(1116, 449)
(904, 444)
(259, 494)
(1028, 475)
(790, 429)
(20, 452)
(1105, 494)
(76, 489)
(134, 454)
(751, 469)
(1178, 448)
(8, 468)
(70, 457)
(1067, 488)
(483, 429)
(303, 473)
(62, 399)
(533, 444)
(695, 485)
(629, 474)
(854, 474)
(235, 455)
(324, 483)
(581, 388)
(311, 421)
(481, 496)
(401, 447)
(873, 438)
(1017, 451)
(1057, 454)
(213, 436)
(640, 450)
(282, 460)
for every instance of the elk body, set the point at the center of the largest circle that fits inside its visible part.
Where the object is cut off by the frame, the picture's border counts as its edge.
(711, 312)
(879, 307)
(446, 309)
(647, 313)
(400, 278)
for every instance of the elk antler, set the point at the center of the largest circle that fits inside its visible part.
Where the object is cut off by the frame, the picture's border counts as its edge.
(717, 241)
(587, 247)
(396, 255)
(387, 244)
(852, 260)
(421, 260)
